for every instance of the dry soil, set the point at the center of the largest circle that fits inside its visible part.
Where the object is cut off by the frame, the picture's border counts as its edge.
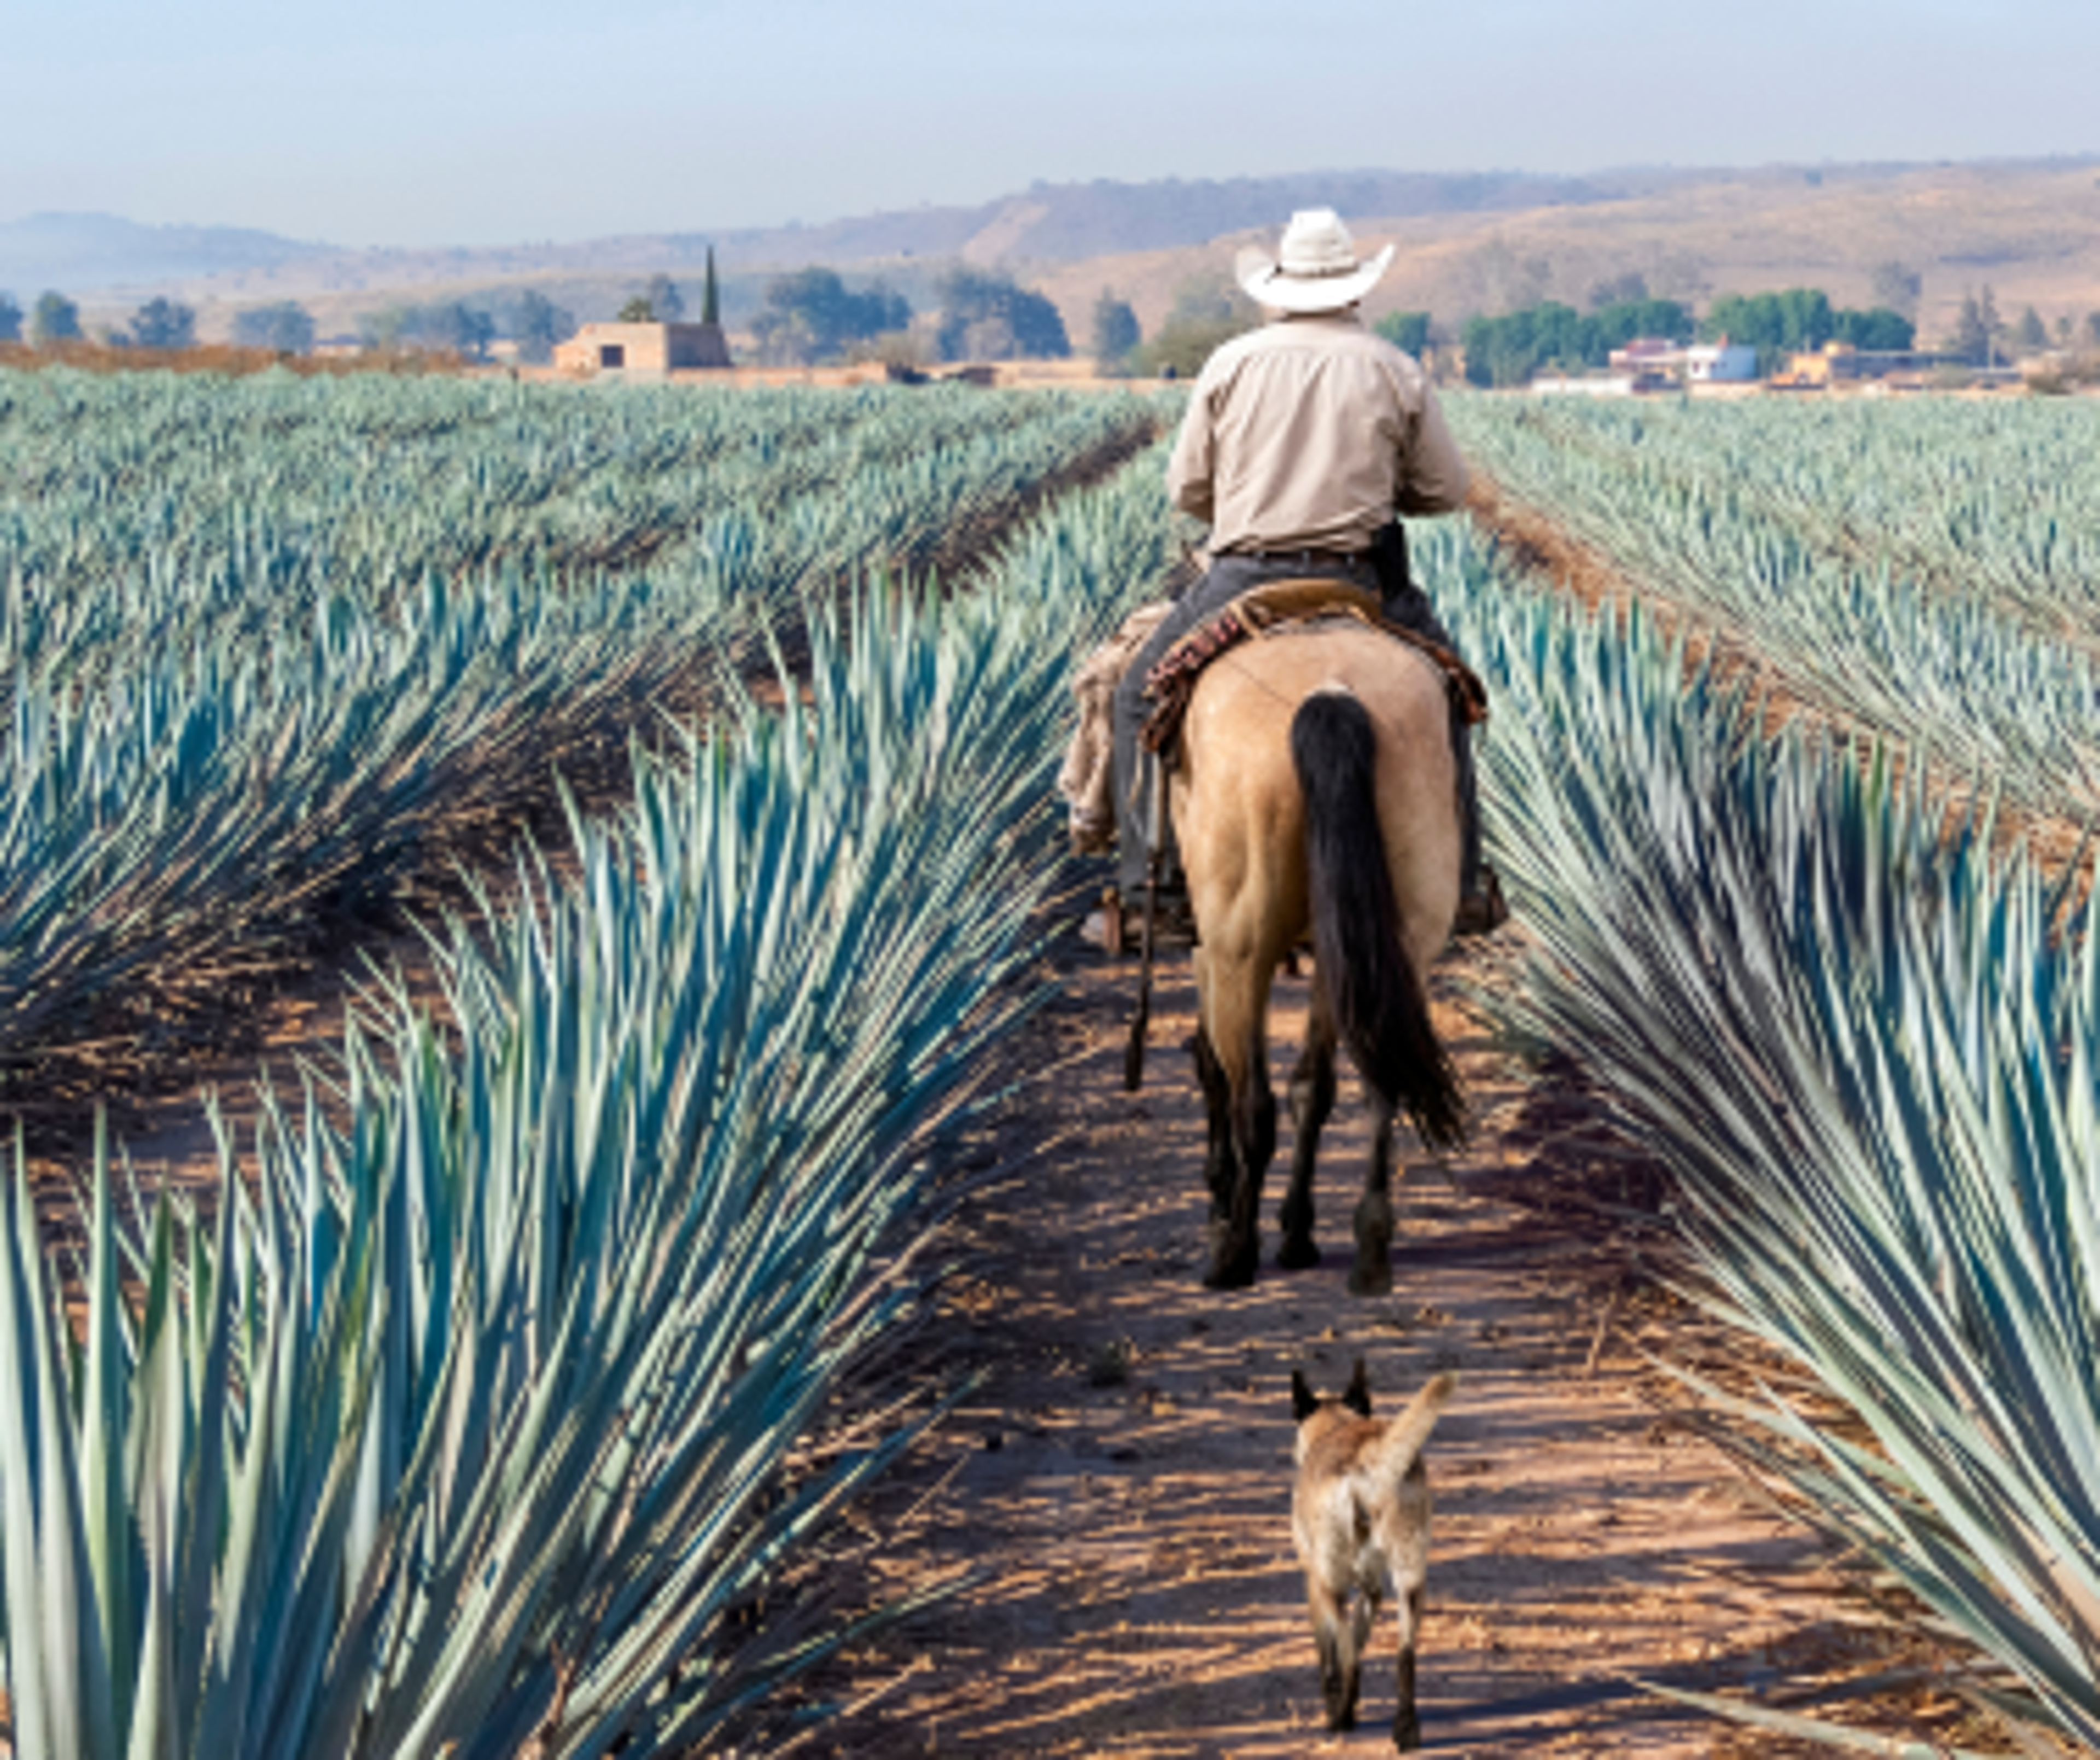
(1113, 1502)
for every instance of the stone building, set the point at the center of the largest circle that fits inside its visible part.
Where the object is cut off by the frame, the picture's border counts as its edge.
(641, 351)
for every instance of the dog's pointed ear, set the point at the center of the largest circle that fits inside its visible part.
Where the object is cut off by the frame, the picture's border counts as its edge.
(1357, 1394)
(1303, 1404)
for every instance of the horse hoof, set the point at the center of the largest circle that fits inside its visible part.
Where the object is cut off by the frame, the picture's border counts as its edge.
(1235, 1273)
(1297, 1255)
(1406, 1734)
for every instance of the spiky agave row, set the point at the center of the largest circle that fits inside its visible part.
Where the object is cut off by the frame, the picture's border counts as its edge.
(1925, 569)
(459, 1429)
(200, 752)
(1870, 1052)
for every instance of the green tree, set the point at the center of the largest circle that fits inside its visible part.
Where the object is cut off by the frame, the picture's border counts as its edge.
(664, 300)
(2032, 333)
(1116, 333)
(55, 319)
(1512, 349)
(11, 320)
(710, 295)
(1508, 350)
(452, 326)
(284, 327)
(1206, 315)
(1879, 328)
(1796, 318)
(162, 323)
(638, 311)
(2092, 328)
(986, 316)
(536, 324)
(1977, 328)
(812, 315)
(1407, 331)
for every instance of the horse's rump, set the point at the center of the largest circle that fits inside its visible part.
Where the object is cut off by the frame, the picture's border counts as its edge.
(1239, 811)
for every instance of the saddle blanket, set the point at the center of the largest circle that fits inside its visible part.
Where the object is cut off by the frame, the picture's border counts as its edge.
(1273, 608)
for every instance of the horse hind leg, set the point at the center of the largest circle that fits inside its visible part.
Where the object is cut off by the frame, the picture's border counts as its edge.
(1372, 1274)
(1311, 1091)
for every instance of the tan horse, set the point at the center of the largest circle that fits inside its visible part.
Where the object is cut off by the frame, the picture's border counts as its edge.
(1315, 790)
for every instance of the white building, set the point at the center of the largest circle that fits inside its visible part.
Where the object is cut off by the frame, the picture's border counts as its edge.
(1721, 362)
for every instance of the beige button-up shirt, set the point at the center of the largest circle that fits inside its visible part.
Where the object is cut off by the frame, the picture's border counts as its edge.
(1310, 433)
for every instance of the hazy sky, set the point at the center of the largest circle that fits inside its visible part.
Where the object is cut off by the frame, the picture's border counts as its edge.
(472, 122)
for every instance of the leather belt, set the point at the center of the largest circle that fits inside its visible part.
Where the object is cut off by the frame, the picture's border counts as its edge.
(1306, 556)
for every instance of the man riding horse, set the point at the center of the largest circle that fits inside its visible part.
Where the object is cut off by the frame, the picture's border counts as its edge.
(1302, 440)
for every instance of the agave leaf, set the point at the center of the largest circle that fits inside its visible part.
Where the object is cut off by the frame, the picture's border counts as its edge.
(1805, 1728)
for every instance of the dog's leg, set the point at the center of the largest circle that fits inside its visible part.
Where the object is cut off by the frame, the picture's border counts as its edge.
(1372, 1274)
(1312, 1101)
(1406, 1726)
(1330, 1632)
(1361, 1613)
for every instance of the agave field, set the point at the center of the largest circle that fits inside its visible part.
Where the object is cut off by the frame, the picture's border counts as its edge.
(1867, 1043)
(263, 640)
(1928, 568)
(456, 1423)
(473, 1410)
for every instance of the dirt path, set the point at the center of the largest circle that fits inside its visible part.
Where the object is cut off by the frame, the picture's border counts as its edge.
(1118, 1488)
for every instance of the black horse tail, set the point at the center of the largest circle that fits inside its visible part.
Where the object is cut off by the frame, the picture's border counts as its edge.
(1380, 1009)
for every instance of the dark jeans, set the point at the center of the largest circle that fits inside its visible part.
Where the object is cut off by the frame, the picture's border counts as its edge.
(1228, 578)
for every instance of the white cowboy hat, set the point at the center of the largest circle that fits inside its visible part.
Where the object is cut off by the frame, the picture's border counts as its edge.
(1316, 270)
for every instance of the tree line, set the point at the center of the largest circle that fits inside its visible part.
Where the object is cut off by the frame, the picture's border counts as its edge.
(813, 316)
(1512, 349)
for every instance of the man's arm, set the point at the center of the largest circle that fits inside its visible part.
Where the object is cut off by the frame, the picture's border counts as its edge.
(1188, 468)
(1432, 471)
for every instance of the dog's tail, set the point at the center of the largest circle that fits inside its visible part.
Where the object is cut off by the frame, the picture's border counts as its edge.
(1376, 994)
(1404, 1436)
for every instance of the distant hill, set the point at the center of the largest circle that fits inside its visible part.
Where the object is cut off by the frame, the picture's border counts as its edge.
(83, 252)
(1064, 222)
(2029, 230)
(1485, 241)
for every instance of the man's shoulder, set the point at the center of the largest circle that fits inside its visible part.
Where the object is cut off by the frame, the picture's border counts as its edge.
(1390, 356)
(1324, 335)
(1229, 354)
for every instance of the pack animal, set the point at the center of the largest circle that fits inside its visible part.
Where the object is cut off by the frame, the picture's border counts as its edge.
(1360, 1515)
(1314, 789)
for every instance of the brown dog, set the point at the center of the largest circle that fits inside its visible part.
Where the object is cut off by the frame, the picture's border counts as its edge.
(1361, 1517)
